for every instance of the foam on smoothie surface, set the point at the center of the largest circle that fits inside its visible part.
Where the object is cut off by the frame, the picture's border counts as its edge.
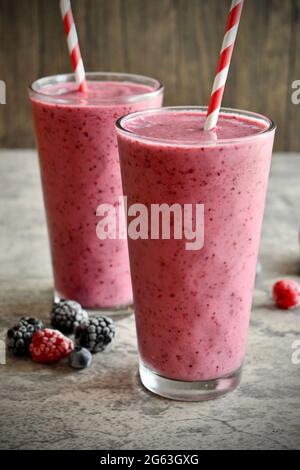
(107, 91)
(188, 127)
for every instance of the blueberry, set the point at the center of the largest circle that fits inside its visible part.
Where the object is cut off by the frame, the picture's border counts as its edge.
(80, 358)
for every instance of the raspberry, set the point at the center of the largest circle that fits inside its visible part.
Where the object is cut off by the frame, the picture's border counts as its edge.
(50, 346)
(286, 294)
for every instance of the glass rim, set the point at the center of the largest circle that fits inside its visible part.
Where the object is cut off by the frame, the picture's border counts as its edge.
(203, 109)
(35, 88)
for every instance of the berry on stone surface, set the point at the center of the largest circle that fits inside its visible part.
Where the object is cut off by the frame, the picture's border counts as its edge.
(19, 336)
(50, 346)
(95, 334)
(286, 294)
(66, 315)
(80, 358)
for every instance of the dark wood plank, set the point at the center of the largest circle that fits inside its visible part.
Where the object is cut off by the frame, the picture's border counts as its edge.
(292, 117)
(19, 54)
(177, 41)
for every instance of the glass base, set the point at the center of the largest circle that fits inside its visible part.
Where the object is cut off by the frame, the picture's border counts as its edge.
(118, 312)
(189, 391)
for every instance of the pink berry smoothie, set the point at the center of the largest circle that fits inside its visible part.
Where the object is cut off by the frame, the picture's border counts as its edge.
(192, 307)
(79, 165)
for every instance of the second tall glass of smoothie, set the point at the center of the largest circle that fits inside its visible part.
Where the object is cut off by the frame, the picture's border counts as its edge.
(79, 165)
(192, 307)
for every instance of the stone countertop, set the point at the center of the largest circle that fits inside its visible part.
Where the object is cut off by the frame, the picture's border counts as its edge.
(105, 406)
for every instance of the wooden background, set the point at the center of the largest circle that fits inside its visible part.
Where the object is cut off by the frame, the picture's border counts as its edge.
(176, 41)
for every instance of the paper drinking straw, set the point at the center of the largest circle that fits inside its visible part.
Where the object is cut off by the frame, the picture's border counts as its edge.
(223, 64)
(73, 44)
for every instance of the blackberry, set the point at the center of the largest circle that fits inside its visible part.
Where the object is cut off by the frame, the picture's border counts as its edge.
(95, 334)
(66, 315)
(19, 337)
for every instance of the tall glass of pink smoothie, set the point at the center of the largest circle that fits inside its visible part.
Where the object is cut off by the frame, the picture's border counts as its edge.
(79, 165)
(192, 307)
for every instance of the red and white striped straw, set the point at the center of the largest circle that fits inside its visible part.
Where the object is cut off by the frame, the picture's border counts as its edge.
(73, 44)
(223, 64)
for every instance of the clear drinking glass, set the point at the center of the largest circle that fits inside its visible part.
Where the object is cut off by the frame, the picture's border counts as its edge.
(192, 307)
(79, 163)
